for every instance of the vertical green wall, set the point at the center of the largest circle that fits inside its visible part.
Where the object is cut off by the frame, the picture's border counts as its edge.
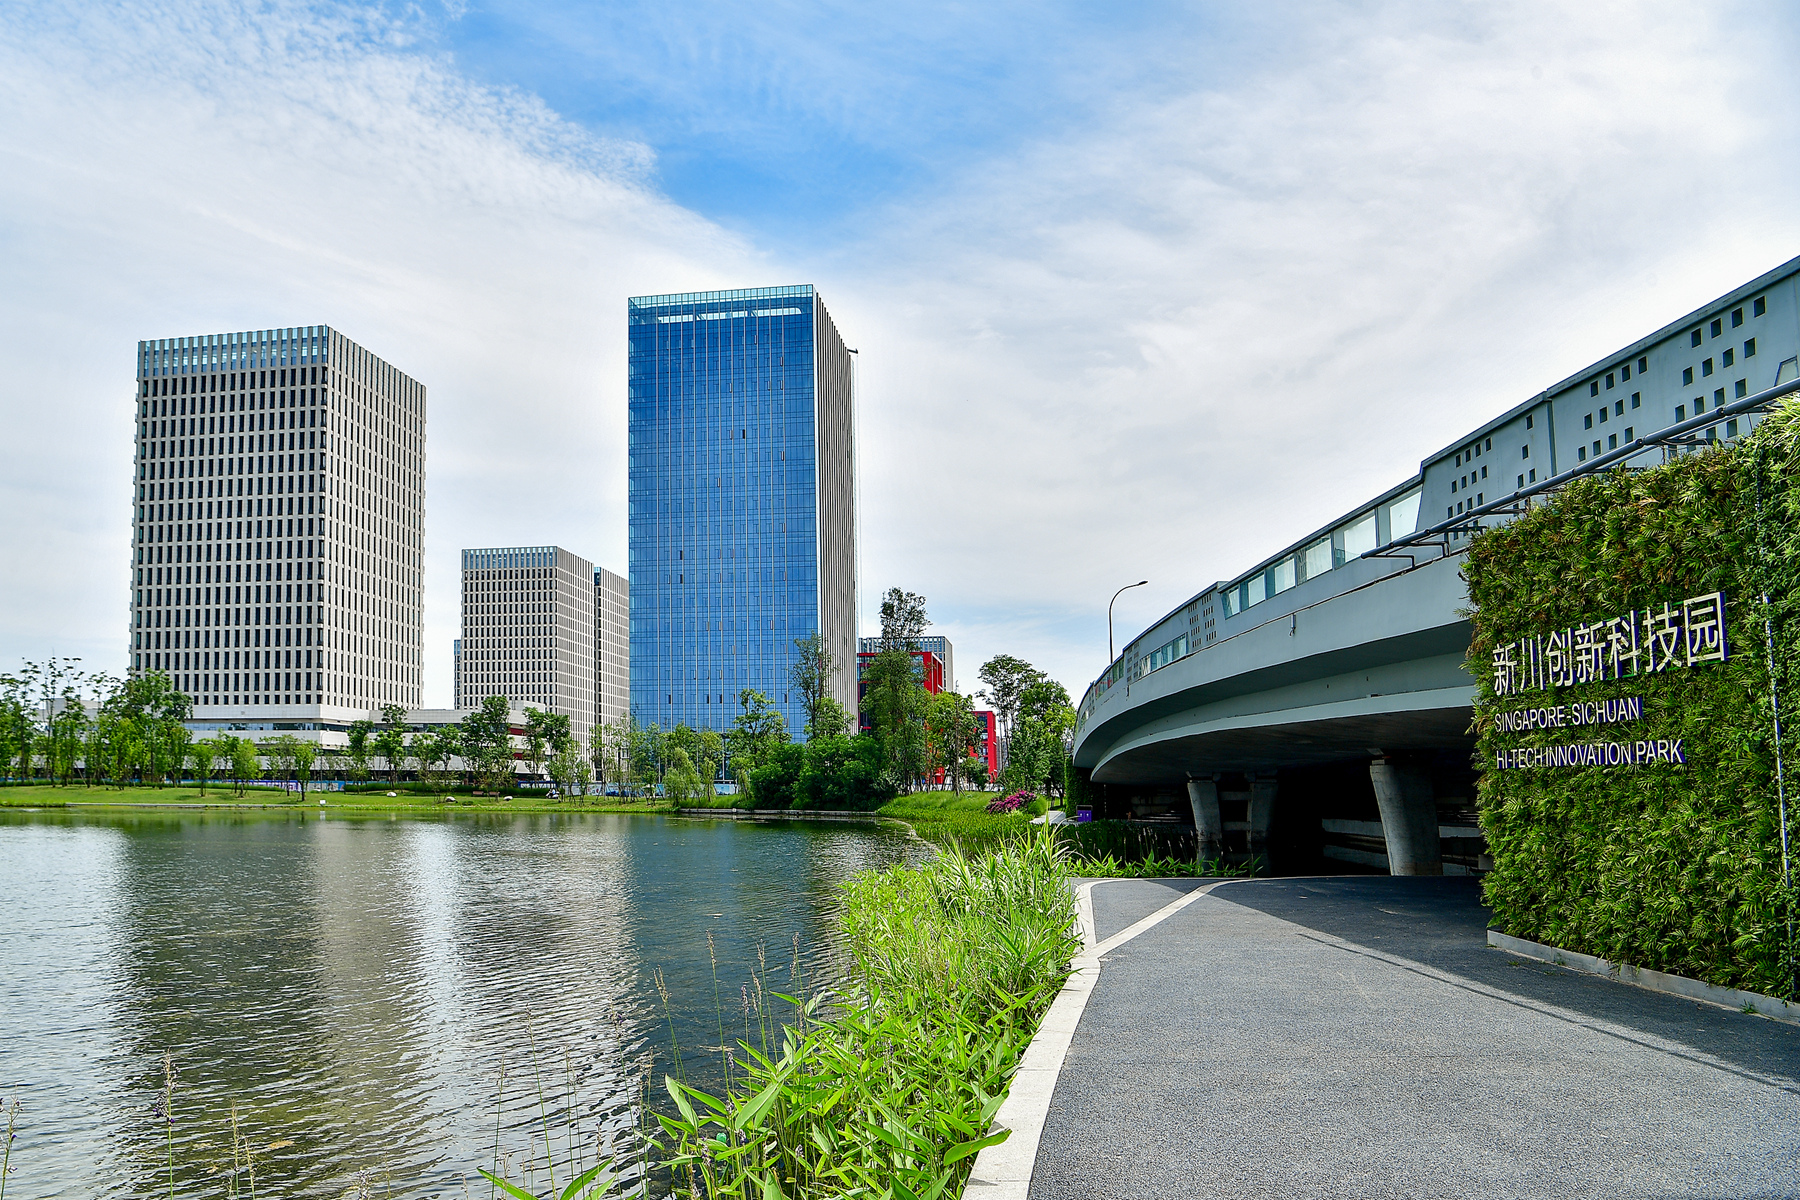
(1667, 866)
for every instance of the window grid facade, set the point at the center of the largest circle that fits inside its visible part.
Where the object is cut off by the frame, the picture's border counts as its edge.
(742, 519)
(528, 629)
(612, 644)
(278, 524)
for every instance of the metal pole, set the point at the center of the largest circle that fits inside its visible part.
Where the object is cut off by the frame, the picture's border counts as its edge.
(1109, 606)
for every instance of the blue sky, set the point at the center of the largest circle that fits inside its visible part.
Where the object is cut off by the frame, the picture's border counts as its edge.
(1139, 293)
(795, 122)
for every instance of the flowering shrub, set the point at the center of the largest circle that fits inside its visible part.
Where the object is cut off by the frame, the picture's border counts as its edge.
(1012, 803)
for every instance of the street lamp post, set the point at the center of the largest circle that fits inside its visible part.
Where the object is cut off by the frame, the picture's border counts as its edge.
(1109, 606)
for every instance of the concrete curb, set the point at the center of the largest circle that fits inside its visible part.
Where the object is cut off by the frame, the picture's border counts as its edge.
(1655, 981)
(1003, 1172)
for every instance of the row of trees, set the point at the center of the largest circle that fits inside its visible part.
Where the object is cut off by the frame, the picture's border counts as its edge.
(912, 735)
(57, 722)
(60, 724)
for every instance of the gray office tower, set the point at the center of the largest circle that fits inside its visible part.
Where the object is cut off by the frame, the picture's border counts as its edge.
(742, 486)
(279, 523)
(528, 631)
(612, 645)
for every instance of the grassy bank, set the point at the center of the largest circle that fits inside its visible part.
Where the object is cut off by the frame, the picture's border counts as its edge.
(947, 817)
(949, 968)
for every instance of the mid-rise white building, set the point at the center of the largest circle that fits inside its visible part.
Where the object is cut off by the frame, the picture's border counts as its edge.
(279, 526)
(612, 643)
(528, 629)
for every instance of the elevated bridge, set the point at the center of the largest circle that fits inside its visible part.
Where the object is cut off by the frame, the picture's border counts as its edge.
(1319, 707)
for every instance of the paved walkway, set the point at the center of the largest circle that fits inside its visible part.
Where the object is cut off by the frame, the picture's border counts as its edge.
(1356, 1037)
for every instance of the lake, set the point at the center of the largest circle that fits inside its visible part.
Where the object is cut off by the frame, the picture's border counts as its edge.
(356, 985)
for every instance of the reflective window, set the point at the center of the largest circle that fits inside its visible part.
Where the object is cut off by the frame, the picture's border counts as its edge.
(1359, 536)
(1403, 515)
(1316, 558)
(1165, 654)
(1282, 576)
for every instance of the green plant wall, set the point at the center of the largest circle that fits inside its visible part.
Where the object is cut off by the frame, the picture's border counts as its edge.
(1674, 867)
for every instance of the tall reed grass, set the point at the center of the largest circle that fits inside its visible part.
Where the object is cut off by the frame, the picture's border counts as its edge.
(888, 1088)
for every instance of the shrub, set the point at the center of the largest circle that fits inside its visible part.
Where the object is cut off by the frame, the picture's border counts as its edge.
(773, 785)
(1012, 803)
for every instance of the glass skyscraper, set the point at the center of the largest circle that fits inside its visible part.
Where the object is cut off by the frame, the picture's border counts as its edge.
(742, 482)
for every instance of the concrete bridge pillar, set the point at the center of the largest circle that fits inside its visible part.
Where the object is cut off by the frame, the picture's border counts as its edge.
(1209, 829)
(1261, 814)
(1408, 816)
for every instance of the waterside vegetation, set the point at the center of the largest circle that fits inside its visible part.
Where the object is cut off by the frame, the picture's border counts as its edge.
(887, 1087)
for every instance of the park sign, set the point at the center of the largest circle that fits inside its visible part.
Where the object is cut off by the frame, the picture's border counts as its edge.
(1640, 642)
(1644, 642)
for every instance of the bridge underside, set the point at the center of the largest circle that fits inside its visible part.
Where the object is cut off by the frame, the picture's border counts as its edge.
(1276, 742)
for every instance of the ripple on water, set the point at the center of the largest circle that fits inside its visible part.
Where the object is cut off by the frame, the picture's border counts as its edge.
(357, 987)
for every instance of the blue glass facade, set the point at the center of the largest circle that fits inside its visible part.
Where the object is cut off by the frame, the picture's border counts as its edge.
(741, 530)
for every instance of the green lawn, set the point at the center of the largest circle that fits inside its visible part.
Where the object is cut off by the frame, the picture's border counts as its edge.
(946, 816)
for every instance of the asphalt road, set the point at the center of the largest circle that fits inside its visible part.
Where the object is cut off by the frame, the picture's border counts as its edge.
(1356, 1037)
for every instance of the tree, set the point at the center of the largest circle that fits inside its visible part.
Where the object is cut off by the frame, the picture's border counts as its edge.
(283, 753)
(682, 782)
(704, 749)
(174, 740)
(775, 781)
(487, 742)
(1041, 739)
(356, 749)
(430, 747)
(421, 748)
(67, 729)
(202, 754)
(811, 673)
(950, 729)
(754, 734)
(449, 749)
(832, 720)
(610, 748)
(895, 696)
(546, 735)
(390, 739)
(1006, 678)
(842, 773)
(569, 770)
(245, 764)
(305, 753)
(902, 620)
(896, 702)
(645, 754)
(15, 727)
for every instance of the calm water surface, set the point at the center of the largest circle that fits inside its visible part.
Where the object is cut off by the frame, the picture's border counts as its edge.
(355, 985)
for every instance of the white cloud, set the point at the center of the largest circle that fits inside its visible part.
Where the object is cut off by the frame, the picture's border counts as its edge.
(1172, 342)
(185, 169)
